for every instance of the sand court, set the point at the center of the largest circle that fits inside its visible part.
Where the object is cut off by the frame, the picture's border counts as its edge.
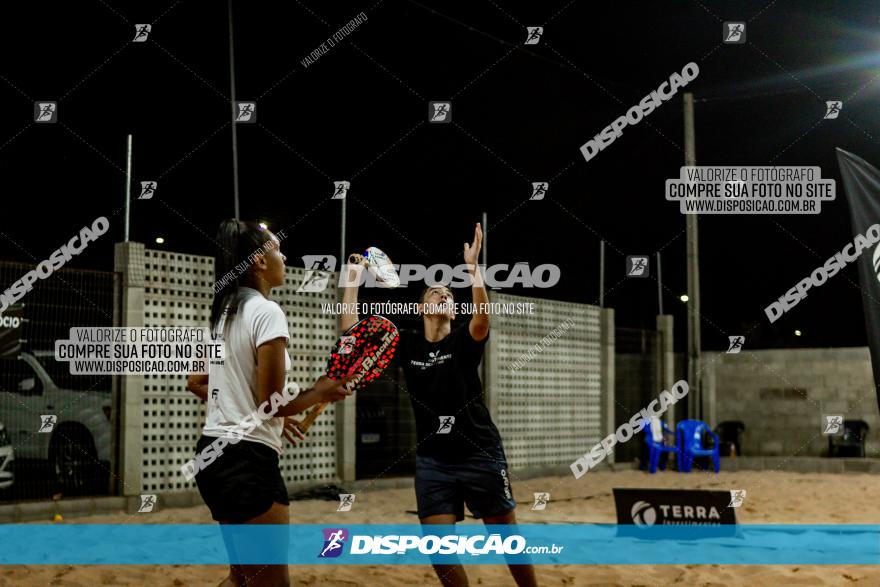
(773, 498)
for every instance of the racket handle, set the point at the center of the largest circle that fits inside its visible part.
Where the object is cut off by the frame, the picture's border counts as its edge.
(312, 416)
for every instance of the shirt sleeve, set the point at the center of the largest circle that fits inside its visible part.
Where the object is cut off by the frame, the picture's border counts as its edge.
(269, 323)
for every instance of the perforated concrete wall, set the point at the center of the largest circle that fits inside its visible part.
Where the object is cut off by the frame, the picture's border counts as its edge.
(178, 293)
(544, 390)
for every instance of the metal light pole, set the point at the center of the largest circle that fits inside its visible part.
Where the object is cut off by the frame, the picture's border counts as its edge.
(343, 258)
(659, 285)
(234, 114)
(601, 273)
(127, 185)
(695, 397)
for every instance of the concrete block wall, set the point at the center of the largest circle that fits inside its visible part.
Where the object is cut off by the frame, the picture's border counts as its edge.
(552, 405)
(782, 394)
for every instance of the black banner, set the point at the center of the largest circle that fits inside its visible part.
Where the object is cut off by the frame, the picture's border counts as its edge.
(11, 327)
(861, 182)
(640, 508)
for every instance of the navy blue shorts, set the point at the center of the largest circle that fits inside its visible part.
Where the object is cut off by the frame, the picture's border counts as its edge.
(481, 482)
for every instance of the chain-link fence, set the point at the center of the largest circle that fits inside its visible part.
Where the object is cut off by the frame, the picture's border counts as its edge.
(635, 384)
(58, 430)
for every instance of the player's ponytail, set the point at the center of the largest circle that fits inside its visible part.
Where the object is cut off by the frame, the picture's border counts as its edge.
(236, 242)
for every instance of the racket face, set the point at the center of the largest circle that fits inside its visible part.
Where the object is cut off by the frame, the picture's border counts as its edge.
(381, 266)
(364, 351)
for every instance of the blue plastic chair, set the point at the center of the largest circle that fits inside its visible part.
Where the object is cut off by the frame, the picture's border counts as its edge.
(689, 434)
(658, 448)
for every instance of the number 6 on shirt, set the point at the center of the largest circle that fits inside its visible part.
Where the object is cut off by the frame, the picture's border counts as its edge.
(361, 354)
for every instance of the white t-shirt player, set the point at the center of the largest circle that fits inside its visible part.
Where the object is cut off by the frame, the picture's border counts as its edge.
(232, 382)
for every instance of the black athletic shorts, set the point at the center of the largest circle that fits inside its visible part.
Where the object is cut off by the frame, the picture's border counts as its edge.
(242, 483)
(481, 482)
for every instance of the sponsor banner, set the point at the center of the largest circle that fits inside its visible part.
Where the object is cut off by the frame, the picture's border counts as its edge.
(310, 544)
(638, 509)
(861, 183)
(11, 327)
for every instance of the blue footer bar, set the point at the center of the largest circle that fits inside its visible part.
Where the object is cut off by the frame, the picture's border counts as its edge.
(412, 544)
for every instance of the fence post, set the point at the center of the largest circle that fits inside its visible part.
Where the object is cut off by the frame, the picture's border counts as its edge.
(346, 437)
(665, 362)
(606, 383)
(345, 412)
(708, 367)
(129, 260)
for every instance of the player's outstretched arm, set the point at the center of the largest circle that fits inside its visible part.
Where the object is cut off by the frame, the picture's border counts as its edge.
(349, 317)
(479, 324)
(271, 379)
(325, 390)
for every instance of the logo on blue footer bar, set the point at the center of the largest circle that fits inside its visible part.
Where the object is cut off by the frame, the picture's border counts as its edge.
(334, 541)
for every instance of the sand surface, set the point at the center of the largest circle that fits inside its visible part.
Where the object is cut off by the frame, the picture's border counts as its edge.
(773, 498)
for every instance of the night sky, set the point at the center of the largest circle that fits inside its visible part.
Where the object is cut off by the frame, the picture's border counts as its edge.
(520, 113)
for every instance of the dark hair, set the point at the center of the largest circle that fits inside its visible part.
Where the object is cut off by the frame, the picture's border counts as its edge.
(237, 241)
(430, 287)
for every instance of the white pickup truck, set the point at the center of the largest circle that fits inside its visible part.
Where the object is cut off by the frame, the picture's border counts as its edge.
(7, 455)
(77, 443)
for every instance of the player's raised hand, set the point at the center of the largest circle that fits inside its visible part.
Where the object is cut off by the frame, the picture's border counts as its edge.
(329, 390)
(472, 251)
(356, 264)
(357, 259)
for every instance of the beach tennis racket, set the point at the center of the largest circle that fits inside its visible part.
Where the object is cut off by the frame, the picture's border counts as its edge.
(360, 354)
(381, 266)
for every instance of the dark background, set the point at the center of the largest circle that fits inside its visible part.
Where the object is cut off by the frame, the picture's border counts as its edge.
(520, 113)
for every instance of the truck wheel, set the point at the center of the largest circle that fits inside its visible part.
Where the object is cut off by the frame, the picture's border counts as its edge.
(72, 456)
